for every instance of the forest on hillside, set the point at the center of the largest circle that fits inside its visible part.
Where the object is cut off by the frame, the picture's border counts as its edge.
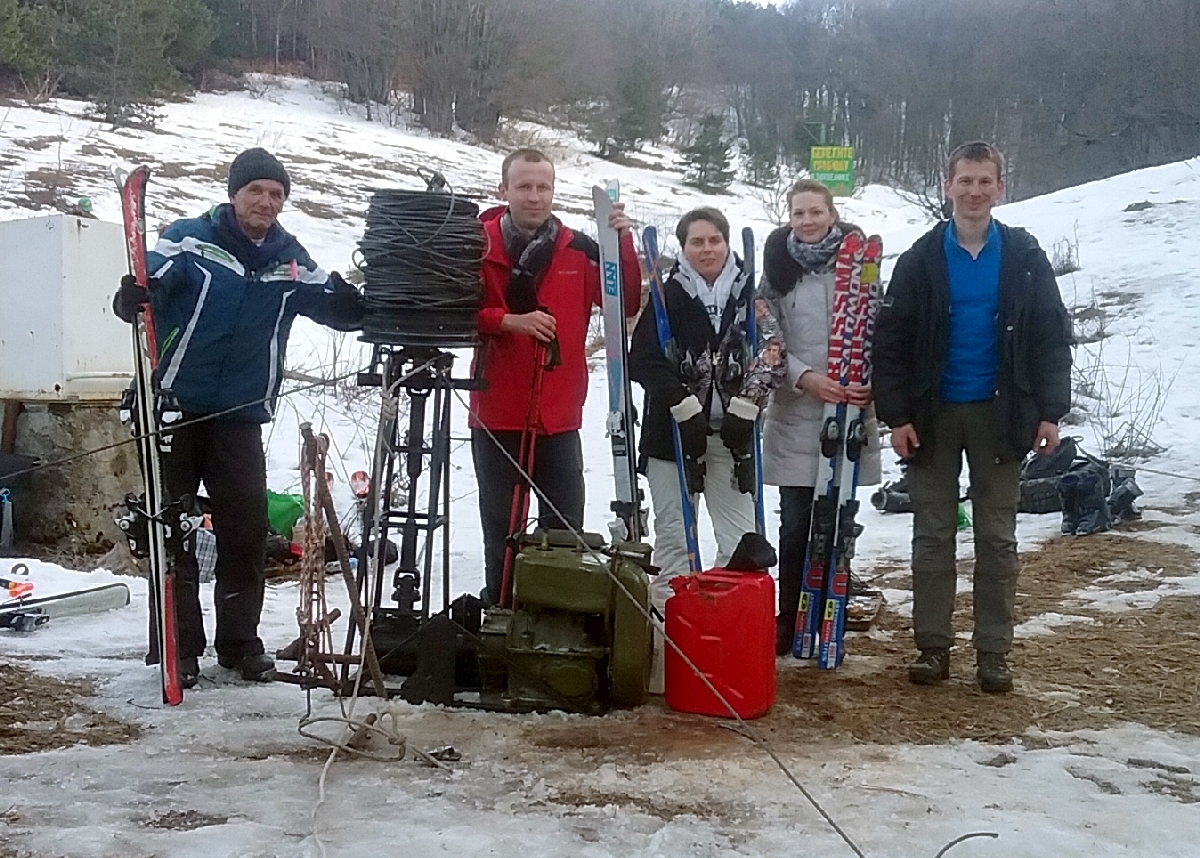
(1072, 90)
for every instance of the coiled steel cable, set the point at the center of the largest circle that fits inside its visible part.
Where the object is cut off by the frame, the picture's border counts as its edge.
(421, 253)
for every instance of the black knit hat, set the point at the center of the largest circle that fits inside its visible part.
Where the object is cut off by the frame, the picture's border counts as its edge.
(254, 164)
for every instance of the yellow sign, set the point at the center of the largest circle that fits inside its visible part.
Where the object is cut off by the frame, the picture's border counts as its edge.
(833, 165)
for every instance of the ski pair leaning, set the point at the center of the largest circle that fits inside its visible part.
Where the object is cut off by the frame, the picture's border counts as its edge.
(825, 583)
(157, 528)
(629, 522)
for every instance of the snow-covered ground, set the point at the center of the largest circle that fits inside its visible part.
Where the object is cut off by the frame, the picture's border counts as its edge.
(226, 773)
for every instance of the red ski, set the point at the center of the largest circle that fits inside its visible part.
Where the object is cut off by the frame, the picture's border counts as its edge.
(153, 530)
(821, 620)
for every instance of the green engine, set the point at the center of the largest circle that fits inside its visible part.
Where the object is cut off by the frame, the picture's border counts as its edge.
(575, 640)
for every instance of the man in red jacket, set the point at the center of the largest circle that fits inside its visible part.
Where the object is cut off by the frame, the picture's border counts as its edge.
(540, 283)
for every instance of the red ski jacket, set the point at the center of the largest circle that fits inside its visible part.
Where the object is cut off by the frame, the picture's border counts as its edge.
(569, 289)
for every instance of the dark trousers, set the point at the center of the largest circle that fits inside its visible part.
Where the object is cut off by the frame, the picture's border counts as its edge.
(969, 428)
(795, 522)
(557, 473)
(228, 458)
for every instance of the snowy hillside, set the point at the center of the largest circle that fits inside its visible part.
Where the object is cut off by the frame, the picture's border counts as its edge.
(1097, 751)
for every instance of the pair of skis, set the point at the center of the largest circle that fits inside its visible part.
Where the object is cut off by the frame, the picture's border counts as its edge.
(156, 528)
(630, 518)
(824, 591)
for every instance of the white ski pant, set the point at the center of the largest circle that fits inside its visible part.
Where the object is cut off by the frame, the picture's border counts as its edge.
(732, 514)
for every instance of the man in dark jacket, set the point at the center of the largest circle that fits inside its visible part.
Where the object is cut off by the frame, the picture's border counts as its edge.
(224, 289)
(972, 354)
(540, 283)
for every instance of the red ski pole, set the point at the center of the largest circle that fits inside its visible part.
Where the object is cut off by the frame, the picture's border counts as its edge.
(519, 506)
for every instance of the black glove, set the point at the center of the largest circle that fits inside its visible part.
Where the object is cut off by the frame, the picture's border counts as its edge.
(130, 298)
(693, 427)
(346, 307)
(738, 434)
(737, 426)
(693, 475)
(745, 476)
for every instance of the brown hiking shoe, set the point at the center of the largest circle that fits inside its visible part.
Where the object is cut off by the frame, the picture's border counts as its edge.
(991, 671)
(931, 667)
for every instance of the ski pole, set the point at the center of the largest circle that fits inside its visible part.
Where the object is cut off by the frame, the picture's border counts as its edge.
(518, 510)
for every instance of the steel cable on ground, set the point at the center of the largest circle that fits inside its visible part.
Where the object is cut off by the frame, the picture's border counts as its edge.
(389, 411)
(743, 727)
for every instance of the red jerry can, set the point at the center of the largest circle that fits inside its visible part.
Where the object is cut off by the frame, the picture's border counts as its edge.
(725, 623)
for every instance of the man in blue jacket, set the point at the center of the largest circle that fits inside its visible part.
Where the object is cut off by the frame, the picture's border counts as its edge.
(224, 289)
(971, 355)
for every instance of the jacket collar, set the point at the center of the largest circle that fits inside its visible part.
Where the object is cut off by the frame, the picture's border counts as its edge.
(277, 246)
(494, 241)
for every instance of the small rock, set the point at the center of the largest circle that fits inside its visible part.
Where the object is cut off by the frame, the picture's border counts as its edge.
(1000, 761)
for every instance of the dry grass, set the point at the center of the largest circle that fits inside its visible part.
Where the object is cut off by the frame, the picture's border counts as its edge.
(1131, 666)
(40, 713)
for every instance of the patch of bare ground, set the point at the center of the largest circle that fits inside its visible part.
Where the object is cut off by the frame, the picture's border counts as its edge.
(384, 165)
(1135, 665)
(318, 210)
(1069, 563)
(303, 754)
(184, 820)
(655, 734)
(41, 713)
(177, 170)
(661, 807)
(1128, 666)
(37, 144)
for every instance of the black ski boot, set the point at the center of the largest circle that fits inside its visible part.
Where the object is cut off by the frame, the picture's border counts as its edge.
(189, 672)
(1120, 502)
(1093, 503)
(253, 668)
(1068, 490)
(753, 554)
(991, 672)
(931, 667)
(785, 634)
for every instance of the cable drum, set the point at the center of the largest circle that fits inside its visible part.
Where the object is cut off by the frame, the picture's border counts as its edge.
(421, 253)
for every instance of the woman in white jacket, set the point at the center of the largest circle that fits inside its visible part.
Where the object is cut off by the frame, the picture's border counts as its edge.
(797, 283)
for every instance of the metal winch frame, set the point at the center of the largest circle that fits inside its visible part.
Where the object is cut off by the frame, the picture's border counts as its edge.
(409, 497)
(578, 639)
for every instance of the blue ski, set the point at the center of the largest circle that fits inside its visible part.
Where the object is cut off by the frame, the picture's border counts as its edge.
(752, 338)
(666, 341)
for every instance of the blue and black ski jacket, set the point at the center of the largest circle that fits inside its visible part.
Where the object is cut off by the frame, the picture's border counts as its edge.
(223, 308)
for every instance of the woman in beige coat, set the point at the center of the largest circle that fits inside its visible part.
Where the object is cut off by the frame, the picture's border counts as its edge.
(797, 284)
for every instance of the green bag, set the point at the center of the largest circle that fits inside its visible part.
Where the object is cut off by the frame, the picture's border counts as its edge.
(283, 511)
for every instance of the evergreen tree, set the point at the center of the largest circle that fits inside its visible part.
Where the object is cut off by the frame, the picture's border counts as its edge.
(125, 54)
(760, 159)
(707, 161)
(26, 36)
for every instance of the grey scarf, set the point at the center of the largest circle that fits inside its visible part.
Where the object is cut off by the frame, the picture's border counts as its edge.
(532, 253)
(815, 257)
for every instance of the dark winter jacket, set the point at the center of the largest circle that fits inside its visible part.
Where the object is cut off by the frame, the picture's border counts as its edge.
(223, 308)
(569, 288)
(1033, 332)
(661, 377)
